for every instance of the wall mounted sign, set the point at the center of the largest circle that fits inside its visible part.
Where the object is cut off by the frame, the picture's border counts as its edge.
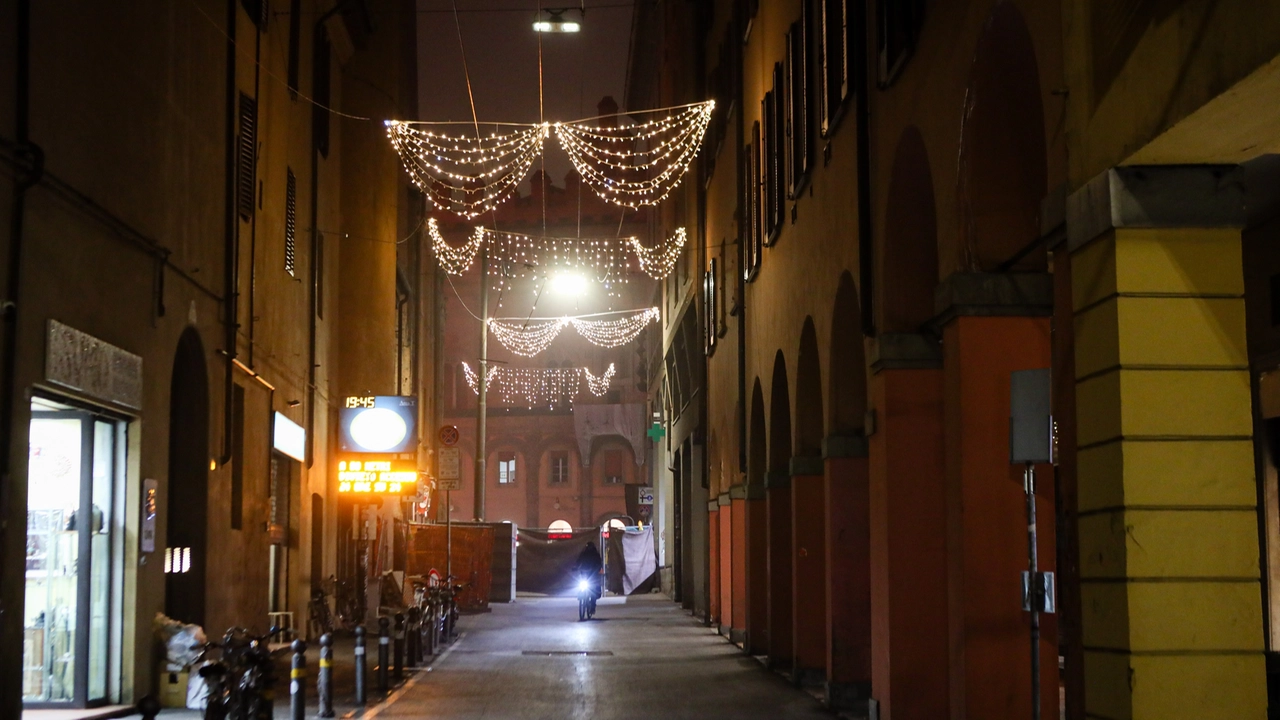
(378, 424)
(377, 477)
(289, 438)
(150, 509)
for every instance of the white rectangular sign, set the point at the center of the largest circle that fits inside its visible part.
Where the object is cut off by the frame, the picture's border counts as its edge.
(646, 496)
(448, 462)
(290, 438)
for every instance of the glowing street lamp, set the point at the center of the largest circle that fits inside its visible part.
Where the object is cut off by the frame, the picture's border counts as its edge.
(568, 283)
(553, 21)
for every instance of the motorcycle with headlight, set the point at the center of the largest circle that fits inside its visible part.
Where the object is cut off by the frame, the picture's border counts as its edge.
(586, 597)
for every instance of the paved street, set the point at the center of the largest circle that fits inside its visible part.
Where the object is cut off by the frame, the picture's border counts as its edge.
(641, 657)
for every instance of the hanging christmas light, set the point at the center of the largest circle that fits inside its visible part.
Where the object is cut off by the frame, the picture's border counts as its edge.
(536, 387)
(636, 165)
(454, 260)
(465, 175)
(529, 338)
(628, 165)
(606, 260)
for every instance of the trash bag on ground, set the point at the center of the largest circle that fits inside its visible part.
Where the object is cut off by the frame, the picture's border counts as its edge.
(197, 691)
(180, 642)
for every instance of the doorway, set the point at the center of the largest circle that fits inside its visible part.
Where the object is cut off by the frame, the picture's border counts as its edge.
(75, 481)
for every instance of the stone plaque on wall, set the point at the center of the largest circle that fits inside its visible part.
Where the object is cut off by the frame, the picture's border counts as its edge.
(83, 363)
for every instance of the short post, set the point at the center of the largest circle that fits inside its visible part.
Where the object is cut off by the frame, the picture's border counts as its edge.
(384, 652)
(362, 669)
(433, 627)
(447, 608)
(399, 647)
(413, 641)
(324, 682)
(298, 682)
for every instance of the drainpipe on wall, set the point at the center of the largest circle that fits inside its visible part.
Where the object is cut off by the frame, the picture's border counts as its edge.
(253, 220)
(866, 244)
(231, 240)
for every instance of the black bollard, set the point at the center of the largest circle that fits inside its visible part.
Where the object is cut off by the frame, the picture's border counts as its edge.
(298, 682)
(384, 653)
(413, 639)
(324, 681)
(362, 668)
(399, 647)
(432, 629)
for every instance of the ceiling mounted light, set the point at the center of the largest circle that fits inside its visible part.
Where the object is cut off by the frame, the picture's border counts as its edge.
(554, 21)
(568, 283)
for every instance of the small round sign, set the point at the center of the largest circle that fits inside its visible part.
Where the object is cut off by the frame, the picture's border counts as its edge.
(449, 435)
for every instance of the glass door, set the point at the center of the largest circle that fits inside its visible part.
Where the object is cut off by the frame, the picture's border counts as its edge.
(71, 485)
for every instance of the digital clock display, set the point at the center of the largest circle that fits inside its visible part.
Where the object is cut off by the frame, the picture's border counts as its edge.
(360, 402)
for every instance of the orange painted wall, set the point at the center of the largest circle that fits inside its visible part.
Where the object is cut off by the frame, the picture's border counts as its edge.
(757, 577)
(726, 566)
(738, 542)
(713, 538)
(986, 519)
(848, 573)
(778, 503)
(808, 587)
(908, 549)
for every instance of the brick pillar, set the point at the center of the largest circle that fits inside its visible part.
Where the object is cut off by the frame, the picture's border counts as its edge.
(992, 325)
(778, 519)
(756, 520)
(713, 540)
(1169, 548)
(808, 571)
(847, 573)
(725, 588)
(738, 563)
(908, 520)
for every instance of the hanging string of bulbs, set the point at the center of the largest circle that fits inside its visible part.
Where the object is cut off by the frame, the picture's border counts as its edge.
(608, 260)
(629, 165)
(537, 387)
(529, 338)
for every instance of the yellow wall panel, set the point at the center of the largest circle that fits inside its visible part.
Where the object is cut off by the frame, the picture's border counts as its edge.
(1098, 408)
(1106, 680)
(1191, 472)
(1100, 477)
(1097, 338)
(1194, 261)
(1102, 545)
(1180, 331)
(1104, 610)
(1185, 402)
(1195, 616)
(1093, 271)
(1191, 543)
(1204, 687)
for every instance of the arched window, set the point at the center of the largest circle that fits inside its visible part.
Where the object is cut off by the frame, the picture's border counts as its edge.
(559, 526)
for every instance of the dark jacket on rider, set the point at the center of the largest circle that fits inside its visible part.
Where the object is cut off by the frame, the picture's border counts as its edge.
(589, 564)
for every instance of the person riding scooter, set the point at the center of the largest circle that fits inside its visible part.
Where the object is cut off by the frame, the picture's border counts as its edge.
(587, 569)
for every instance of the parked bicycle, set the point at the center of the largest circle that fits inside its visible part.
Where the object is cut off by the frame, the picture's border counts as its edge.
(321, 618)
(241, 681)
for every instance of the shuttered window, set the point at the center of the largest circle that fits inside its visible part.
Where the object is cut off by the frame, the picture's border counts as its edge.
(709, 303)
(247, 156)
(897, 29)
(750, 232)
(612, 467)
(320, 91)
(798, 120)
(774, 163)
(258, 11)
(835, 45)
(295, 39)
(290, 222)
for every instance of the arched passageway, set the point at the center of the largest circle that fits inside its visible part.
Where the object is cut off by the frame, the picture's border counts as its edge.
(187, 514)
(910, 239)
(778, 508)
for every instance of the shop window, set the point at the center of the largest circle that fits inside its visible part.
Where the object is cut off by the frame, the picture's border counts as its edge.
(612, 467)
(559, 469)
(506, 468)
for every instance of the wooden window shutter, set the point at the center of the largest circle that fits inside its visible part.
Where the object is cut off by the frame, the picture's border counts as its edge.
(290, 223)
(247, 156)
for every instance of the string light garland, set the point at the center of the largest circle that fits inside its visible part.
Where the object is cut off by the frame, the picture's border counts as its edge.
(529, 338)
(607, 260)
(537, 387)
(629, 165)
(467, 176)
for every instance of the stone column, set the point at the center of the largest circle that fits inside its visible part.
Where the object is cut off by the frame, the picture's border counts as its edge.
(778, 519)
(808, 571)
(847, 573)
(992, 325)
(1172, 611)
(738, 564)
(757, 581)
(713, 541)
(725, 587)
(908, 522)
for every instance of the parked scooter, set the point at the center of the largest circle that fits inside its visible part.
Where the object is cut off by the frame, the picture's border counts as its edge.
(241, 682)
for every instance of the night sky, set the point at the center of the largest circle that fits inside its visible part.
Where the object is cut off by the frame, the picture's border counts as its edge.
(502, 54)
